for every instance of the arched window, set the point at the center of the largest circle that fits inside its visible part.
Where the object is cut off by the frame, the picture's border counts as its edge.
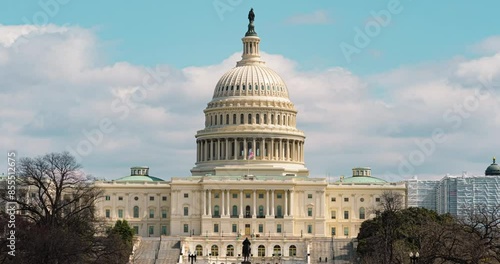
(199, 250)
(261, 251)
(292, 251)
(242, 119)
(211, 120)
(249, 118)
(279, 210)
(216, 210)
(215, 119)
(265, 118)
(272, 119)
(136, 211)
(227, 119)
(230, 251)
(276, 250)
(261, 211)
(234, 119)
(257, 119)
(235, 210)
(247, 211)
(214, 250)
(362, 213)
(220, 120)
(279, 119)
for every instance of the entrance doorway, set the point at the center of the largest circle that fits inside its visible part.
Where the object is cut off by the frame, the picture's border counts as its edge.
(247, 229)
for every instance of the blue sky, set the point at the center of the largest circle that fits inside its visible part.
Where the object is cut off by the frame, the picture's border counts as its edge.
(64, 63)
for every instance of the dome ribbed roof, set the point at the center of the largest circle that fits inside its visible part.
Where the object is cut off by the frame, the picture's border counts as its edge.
(251, 80)
(493, 169)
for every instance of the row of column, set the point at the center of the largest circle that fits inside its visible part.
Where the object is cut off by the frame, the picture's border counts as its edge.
(226, 204)
(217, 119)
(239, 149)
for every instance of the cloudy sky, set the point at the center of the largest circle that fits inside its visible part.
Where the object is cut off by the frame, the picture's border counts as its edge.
(405, 87)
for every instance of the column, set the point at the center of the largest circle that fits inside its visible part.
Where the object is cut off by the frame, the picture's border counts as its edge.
(235, 148)
(293, 151)
(211, 155)
(291, 202)
(245, 149)
(205, 150)
(280, 149)
(227, 149)
(272, 203)
(317, 202)
(197, 151)
(228, 210)
(223, 205)
(209, 202)
(263, 154)
(127, 208)
(267, 203)
(241, 203)
(288, 150)
(254, 149)
(272, 149)
(254, 215)
(286, 202)
(218, 148)
(204, 202)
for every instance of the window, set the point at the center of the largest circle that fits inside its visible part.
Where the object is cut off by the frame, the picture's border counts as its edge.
(234, 119)
(234, 228)
(120, 198)
(151, 230)
(362, 213)
(249, 119)
(257, 119)
(235, 195)
(309, 211)
(346, 214)
(199, 250)
(216, 228)
(346, 231)
(227, 119)
(120, 213)
(235, 210)
(151, 213)
(136, 230)
(151, 198)
(279, 212)
(276, 250)
(247, 195)
(279, 195)
(108, 213)
(377, 199)
(362, 199)
(186, 211)
(136, 211)
(333, 214)
(333, 231)
(136, 198)
(242, 119)
(230, 251)
(261, 228)
(309, 229)
(164, 230)
(261, 251)
(186, 228)
(309, 195)
(216, 195)
(164, 198)
(214, 250)
(265, 118)
(278, 228)
(163, 213)
(108, 197)
(186, 195)
(292, 251)
(261, 196)
(261, 211)
(216, 210)
(334, 199)
(346, 199)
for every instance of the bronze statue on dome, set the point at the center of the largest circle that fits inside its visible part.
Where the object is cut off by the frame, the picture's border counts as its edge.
(251, 15)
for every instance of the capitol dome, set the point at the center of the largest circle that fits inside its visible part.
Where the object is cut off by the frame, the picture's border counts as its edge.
(250, 123)
(493, 169)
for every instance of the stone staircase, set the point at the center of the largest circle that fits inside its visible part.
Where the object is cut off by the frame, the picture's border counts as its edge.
(156, 250)
(340, 251)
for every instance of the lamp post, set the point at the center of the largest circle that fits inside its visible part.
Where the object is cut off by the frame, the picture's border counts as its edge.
(192, 257)
(414, 258)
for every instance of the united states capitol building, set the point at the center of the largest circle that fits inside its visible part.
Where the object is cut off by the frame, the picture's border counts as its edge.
(249, 181)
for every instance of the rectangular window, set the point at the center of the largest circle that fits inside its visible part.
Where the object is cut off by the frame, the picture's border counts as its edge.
(151, 198)
(120, 198)
(186, 211)
(309, 195)
(120, 213)
(164, 230)
(334, 199)
(216, 228)
(151, 213)
(333, 214)
(279, 195)
(309, 229)
(108, 197)
(247, 195)
(235, 195)
(309, 212)
(261, 196)
(333, 231)
(346, 214)
(346, 199)
(186, 228)
(346, 231)
(164, 198)
(136, 230)
(151, 230)
(278, 228)
(186, 195)
(234, 228)
(163, 213)
(108, 213)
(261, 228)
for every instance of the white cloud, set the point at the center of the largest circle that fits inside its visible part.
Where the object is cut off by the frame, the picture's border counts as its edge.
(57, 99)
(316, 17)
(488, 46)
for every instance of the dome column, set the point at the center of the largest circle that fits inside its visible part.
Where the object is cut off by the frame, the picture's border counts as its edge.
(271, 153)
(263, 154)
(254, 149)
(234, 148)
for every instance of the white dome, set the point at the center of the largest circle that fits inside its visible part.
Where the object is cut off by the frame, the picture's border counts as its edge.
(251, 80)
